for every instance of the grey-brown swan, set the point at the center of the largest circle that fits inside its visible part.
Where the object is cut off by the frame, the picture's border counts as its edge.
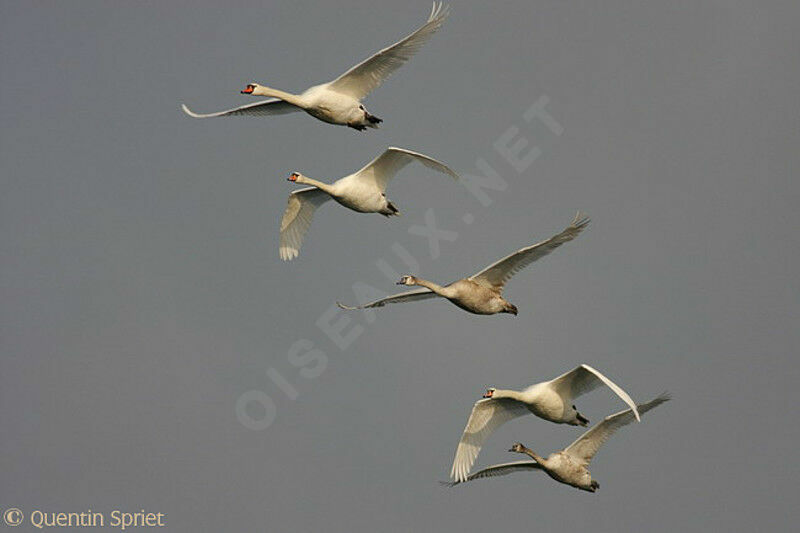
(339, 101)
(363, 191)
(570, 465)
(551, 400)
(481, 293)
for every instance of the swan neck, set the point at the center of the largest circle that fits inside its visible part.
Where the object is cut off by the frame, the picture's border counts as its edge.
(438, 289)
(530, 453)
(514, 395)
(305, 180)
(262, 90)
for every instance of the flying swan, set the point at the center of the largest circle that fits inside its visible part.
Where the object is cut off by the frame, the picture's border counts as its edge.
(363, 191)
(571, 465)
(550, 400)
(339, 101)
(481, 293)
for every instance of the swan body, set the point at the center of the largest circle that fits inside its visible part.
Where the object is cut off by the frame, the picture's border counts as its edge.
(466, 294)
(570, 465)
(550, 400)
(363, 191)
(339, 101)
(482, 293)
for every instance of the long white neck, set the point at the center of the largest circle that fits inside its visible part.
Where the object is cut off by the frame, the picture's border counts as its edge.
(507, 393)
(293, 99)
(327, 187)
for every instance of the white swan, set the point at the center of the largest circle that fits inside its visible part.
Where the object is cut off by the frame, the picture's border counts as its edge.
(481, 293)
(571, 465)
(339, 101)
(550, 400)
(363, 191)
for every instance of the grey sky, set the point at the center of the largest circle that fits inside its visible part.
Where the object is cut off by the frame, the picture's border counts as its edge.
(142, 294)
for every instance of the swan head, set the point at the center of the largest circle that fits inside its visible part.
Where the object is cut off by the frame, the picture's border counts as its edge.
(517, 447)
(296, 177)
(489, 392)
(407, 280)
(511, 309)
(250, 89)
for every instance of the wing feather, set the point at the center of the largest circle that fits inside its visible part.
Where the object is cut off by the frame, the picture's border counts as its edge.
(297, 218)
(487, 415)
(497, 274)
(586, 446)
(408, 296)
(263, 108)
(585, 379)
(384, 167)
(502, 469)
(368, 75)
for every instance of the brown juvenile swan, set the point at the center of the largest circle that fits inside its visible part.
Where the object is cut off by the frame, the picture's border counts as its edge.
(481, 293)
(570, 465)
(550, 400)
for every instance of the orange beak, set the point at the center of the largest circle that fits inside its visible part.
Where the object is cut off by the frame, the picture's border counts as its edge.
(249, 89)
(487, 394)
(293, 176)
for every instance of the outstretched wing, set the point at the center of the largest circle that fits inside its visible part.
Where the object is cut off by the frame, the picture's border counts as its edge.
(297, 218)
(256, 109)
(586, 446)
(585, 379)
(408, 296)
(383, 168)
(368, 75)
(498, 470)
(487, 415)
(496, 275)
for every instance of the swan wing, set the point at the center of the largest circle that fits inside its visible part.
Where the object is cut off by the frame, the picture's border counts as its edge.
(586, 446)
(368, 75)
(383, 168)
(498, 470)
(585, 379)
(408, 296)
(297, 219)
(487, 415)
(263, 108)
(496, 275)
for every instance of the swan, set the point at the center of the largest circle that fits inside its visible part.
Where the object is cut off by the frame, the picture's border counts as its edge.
(570, 465)
(481, 293)
(339, 101)
(550, 400)
(363, 191)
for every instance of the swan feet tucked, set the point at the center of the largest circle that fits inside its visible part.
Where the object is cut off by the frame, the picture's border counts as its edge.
(355, 126)
(391, 209)
(582, 419)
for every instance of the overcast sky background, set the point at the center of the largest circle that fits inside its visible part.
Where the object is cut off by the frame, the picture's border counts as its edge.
(141, 293)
